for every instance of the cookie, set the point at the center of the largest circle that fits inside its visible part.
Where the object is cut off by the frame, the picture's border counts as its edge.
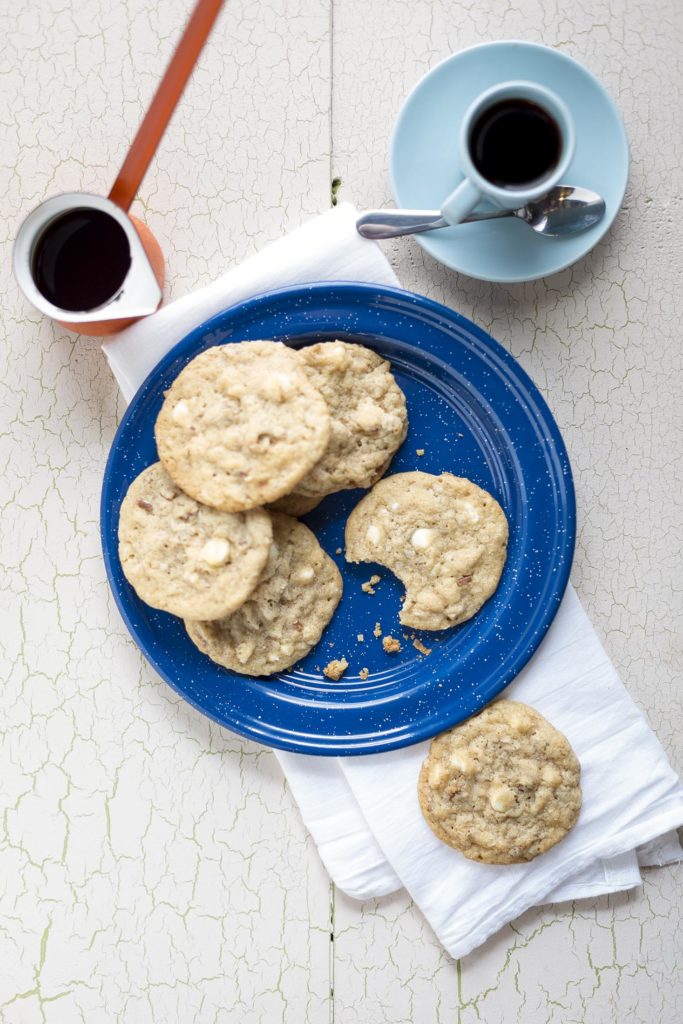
(444, 537)
(502, 787)
(297, 505)
(294, 504)
(186, 558)
(297, 594)
(241, 425)
(368, 414)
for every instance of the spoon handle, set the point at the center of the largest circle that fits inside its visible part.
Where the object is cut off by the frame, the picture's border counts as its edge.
(393, 223)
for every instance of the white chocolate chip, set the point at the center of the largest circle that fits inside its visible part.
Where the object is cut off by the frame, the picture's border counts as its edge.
(305, 575)
(429, 601)
(278, 386)
(245, 650)
(437, 774)
(527, 772)
(181, 413)
(468, 510)
(461, 561)
(215, 552)
(551, 775)
(374, 534)
(422, 538)
(333, 355)
(501, 798)
(541, 801)
(368, 415)
(395, 506)
(462, 762)
(521, 723)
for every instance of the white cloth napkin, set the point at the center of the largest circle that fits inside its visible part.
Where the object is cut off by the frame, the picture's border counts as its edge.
(631, 796)
(362, 811)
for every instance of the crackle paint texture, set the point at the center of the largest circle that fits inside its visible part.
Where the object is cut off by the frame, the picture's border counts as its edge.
(154, 866)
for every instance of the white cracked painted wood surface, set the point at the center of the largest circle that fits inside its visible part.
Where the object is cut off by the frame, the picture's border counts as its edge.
(153, 865)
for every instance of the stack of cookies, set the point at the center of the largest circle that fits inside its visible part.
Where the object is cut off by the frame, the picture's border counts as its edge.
(250, 435)
(253, 434)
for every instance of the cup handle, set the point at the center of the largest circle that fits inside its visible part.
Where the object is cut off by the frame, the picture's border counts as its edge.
(460, 202)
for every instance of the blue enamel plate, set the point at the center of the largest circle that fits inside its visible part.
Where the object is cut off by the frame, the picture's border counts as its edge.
(476, 414)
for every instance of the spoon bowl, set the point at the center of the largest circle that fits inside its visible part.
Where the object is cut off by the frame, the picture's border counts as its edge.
(566, 210)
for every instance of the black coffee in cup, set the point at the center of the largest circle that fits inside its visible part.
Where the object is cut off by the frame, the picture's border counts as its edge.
(515, 143)
(81, 260)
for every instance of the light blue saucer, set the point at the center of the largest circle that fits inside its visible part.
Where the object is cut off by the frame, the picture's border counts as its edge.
(424, 163)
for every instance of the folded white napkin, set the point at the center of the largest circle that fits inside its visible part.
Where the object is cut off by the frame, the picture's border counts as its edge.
(631, 795)
(327, 248)
(363, 811)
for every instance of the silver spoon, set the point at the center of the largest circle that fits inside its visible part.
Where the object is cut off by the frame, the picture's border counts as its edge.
(565, 210)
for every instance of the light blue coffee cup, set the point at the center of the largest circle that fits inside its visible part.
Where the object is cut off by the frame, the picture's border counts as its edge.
(474, 187)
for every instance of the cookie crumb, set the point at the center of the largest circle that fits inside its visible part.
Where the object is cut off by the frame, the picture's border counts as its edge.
(364, 673)
(369, 587)
(391, 645)
(419, 451)
(419, 646)
(336, 668)
(377, 630)
(338, 551)
(360, 638)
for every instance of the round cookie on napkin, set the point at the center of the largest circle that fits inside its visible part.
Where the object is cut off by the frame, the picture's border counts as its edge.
(502, 787)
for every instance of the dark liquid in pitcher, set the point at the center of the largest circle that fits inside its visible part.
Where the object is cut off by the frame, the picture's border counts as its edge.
(81, 260)
(515, 143)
